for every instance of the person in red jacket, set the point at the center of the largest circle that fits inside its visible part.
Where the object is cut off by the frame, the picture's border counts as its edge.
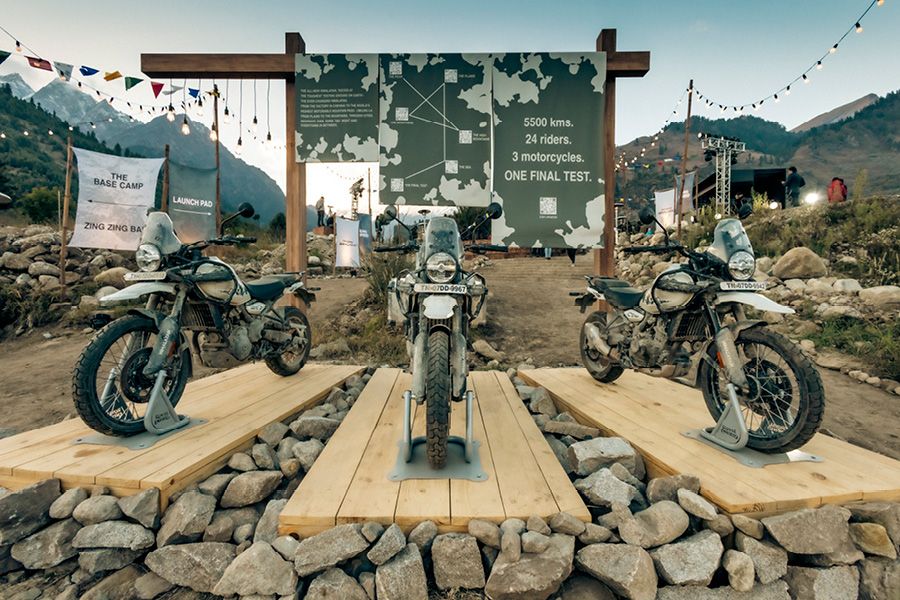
(837, 191)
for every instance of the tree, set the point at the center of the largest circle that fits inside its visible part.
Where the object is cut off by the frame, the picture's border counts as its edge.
(466, 216)
(278, 225)
(40, 205)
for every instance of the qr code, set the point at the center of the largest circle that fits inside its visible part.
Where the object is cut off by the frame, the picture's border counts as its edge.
(449, 75)
(397, 185)
(451, 166)
(402, 113)
(548, 207)
(395, 68)
(465, 136)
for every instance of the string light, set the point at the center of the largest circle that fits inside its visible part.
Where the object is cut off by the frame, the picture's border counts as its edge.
(805, 78)
(254, 128)
(269, 111)
(185, 128)
(859, 28)
(213, 135)
(240, 141)
(833, 49)
(819, 65)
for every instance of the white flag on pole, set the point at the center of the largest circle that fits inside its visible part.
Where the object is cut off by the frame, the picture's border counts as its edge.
(346, 242)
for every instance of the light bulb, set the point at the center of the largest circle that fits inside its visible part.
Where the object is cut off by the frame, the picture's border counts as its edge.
(819, 65)
(833, 49)
(269, 137)
(170, 115)
(25, 133)
(49, 132)
(718, 216)
(880, 2)
(185, 128)
(18, 46)
(773, 205)
(255, 126)
(240, 146)
(227, 115)
(200, 107)
(805, 78)
(93, 126)
(776, 98)
(213, 136)
(71, 128)
(787, 91)
(859, 28)
(2, 136)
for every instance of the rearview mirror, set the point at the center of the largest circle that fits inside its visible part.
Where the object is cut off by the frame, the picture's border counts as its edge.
(391, 212)
(246, 210)
(494, 210)
(647, 215)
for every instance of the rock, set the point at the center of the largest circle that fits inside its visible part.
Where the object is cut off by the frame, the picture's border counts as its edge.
(582, 587)
(286, 546)
(882, 296)
(485, 532)
(114, 534)
(483, 348)
(241, 461)
(666, 488)
(749, 526)
(533, 576)
(510, 545)
(263, 456)
(627, 570)
(769, 561)
(836, 312)
(142, 507)
(97, 509)
(150, 585)
(692, 561)
(835, 583)
(542, 403)
(563, 522)
(249, 488)
(257, 570)
(660, 524)
(594, 534)
(224, 523)
(886, 514)
(457, 562)
(872, 538)
(14, 262)
(423, 535)
(114, 277)
(721, 525)
(319, 428)
(772, 591)
(63, 506)
(371, 530)
(879, 579)
(534, 542)
(560, 450)
(603, 488)
(811, 530)
(48, 547)
(106, 559)
(799, 263)
(272, 433)
(117, 586)
(289, 467)
(334, 584)
(697, 505)
(576, 430)
(591, 455)
(391, 542)
(267, 528)
(198, 566)
(215, 485)
(186, 519)
(39, 268)
(307, 452)
(847, 286)
(739, 567)
(27, 510)
(536, 524)
(329, 548)
(402, 577)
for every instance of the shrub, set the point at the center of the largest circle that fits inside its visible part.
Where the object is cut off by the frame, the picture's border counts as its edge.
(877, 344)
(381, 268)
(41, 205)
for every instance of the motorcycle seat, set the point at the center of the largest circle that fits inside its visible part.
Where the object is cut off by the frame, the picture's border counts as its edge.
(603, 283)
(270, 286)
(623, 297)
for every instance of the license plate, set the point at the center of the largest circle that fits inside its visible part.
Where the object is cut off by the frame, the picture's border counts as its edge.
(145, 276)
(440, 288)
(744, 286)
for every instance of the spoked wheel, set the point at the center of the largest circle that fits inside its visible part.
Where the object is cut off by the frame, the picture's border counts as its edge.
(292, 360)
(785, 403)
(437, 399)
(109, 387)
(600, 367)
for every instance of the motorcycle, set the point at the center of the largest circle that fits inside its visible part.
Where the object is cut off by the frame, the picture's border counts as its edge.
(135, 368)
(438, 301)
(771, 389)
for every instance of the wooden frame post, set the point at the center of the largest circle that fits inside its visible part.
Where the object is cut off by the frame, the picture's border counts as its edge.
(64, 221)
(164, 201)
(605, 258)
(295, 196)
(215, 95)
(687, 133)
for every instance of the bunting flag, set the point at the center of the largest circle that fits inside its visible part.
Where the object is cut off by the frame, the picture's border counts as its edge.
(64, 70)
(39, 63)
(130, 82)
(193, 92)
(173, 89)
(157, 88)
(3, 56)
(112, 76)
(88, 71)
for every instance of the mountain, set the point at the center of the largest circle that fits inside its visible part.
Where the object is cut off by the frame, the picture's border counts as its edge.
(72, 106)
(836, 115)
(17, 85)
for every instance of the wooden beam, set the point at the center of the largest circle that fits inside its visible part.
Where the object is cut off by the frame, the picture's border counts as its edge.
(626, 64)
(295, 198)
(604, 259)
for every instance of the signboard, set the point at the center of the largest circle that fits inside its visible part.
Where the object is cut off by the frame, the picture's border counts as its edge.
(365, 232)
(337, 107)
(548, 149)
(114, 194)
(435, 136)
(346, 242)
(192, 202)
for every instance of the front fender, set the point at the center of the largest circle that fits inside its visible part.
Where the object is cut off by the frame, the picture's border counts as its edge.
(439, 307)
(137, 290)
(755, 300)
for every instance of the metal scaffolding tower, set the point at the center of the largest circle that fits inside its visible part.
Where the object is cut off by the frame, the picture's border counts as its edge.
(725, 149)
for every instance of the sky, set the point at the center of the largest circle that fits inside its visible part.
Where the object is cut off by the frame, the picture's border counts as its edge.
(736, 52)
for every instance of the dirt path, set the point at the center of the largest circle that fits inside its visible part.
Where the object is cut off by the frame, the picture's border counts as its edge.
(35, 387)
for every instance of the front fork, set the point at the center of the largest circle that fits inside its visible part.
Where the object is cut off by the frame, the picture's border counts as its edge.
(167, 339)
(458, 367)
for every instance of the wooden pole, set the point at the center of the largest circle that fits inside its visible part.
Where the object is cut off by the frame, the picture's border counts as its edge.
(67, 198)
(215, 96)
(684, 157)
(369, 189)
(164, 203)
(604, 258)
(295, 198)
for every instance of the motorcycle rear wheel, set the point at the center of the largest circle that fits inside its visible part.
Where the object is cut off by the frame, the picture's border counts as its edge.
(600, 367)
(437, 399)
(290, 362)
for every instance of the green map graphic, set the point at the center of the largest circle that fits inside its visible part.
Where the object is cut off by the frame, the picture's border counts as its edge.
(435, 134)
(337, 107)
(548, 149)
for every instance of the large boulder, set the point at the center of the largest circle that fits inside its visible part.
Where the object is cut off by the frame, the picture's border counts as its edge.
(142, 507)
(882, 296)
(879, 579)
(27, 510)
(114, 534)
(97, 509)
(886, 514)
(63, 506)
(627, 570)
(810, 530)
(591, 455)
(329, 548)
(391, 542)
(533, 576)
(319, 428)
(834, 583)
(769, 561)
(197, 566)
(334, 584)
(48, 547)
(777, 590)
(402, 577)
(257, 570)
(186, 519)
(666, 488)
(799, 263)
(692, 561)
(457, 562)
(267, 527)
(114, 277)
(603, 489)
(740, 569)
(250, 488)
(872, 538)
(660, 524)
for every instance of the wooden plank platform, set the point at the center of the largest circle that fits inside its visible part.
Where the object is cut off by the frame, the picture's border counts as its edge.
(651, 413)
(349, 481)
(236, 404)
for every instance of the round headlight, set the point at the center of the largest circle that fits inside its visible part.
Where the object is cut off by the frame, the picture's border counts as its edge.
(440, 267)
(147, 257)
(741, 265)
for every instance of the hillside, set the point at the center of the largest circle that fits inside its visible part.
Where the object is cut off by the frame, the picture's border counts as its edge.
(836, 115)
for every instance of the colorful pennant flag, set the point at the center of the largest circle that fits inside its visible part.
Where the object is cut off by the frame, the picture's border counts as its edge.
(130, 82)
(173, 89)
(3, 56)
(64, 70)
(193, 92)
(157, 88)
(88, 71)
(39, 63)
(112, 76)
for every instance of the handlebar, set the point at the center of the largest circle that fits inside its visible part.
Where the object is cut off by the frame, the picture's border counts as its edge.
(655, 249)
(403, 248)
(487, 248)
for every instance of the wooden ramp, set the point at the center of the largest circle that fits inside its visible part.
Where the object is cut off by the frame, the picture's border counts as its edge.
(349, 481)
(651, 413)
(236, 404)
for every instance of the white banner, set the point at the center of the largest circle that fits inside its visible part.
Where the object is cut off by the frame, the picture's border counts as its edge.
(346, 243)
(114, 194)
(665, 206)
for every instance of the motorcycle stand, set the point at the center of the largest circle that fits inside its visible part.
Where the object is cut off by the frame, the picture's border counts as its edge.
(463, 460)
(729, 436)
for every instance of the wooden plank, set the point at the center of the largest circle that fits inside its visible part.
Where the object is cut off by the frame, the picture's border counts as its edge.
(314, 505)
(422, 499)
(567, 497)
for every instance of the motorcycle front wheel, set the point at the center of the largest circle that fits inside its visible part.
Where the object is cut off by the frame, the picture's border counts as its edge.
(785, 404)
(109, 388)
(437, 399)
(600, 367)
(291, 361)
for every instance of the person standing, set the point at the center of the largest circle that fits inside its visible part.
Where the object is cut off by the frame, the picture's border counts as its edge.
(320, 211)
(837, 191)
(792, 186)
